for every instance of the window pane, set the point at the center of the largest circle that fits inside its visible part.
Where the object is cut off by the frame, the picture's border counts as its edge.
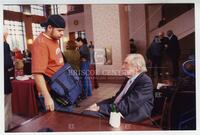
(58, 9)
(16, 34)
(16, 8)
(37, 29)
(53, 9)
(37, 10)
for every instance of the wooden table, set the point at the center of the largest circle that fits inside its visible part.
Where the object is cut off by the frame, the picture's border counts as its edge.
(65, 122)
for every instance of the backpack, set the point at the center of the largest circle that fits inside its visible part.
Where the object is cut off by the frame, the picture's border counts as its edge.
(65, 86)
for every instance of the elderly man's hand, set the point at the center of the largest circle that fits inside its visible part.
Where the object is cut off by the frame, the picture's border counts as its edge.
(93, 107)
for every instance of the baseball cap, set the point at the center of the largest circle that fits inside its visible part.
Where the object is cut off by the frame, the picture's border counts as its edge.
(54, 20)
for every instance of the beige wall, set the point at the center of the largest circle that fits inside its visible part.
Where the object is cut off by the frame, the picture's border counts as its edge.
(106, 32)
(66, 32)
(88, 22)
(137, 26)
(154, 16)
(71, 26)
(124, 30)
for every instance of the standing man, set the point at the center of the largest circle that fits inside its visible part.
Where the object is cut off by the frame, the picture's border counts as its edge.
(163, 41)
(8, 66)
(155, 54)
(173, 52)
(135, 99)
(47, 57)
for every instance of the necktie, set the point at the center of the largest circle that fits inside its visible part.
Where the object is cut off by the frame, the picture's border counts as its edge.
(123, 92)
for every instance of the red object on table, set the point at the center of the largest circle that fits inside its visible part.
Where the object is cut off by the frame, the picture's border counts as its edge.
(19, 72)
(18, 55)
(91, 73)
(23, 98)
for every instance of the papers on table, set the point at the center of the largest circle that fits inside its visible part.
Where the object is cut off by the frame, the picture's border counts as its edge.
(25, 77)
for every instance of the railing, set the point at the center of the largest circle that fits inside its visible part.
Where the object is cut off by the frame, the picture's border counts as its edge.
(182, 26)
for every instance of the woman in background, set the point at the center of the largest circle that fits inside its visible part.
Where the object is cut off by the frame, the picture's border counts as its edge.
(84, 66)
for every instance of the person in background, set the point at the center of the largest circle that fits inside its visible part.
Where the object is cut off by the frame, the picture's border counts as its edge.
(163, 41)
(135, 98)
(91, 49)
(47, 57)
(84, 66)
(8, 66)
(72, 55)
(133, 48)
(92, 63)
(155, 54)
(162, 22)
(173, 52)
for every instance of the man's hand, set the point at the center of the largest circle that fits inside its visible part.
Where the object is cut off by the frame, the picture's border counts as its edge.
(93, 107)
(41, 85)
(49, 104)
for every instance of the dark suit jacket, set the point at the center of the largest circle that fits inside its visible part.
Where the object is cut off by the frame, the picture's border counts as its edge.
(136, 104)
(173, 49)
(7, 64)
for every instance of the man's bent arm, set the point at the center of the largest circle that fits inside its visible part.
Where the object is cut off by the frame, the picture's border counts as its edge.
(41, 85)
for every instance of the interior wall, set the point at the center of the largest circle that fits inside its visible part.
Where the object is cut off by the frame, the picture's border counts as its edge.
(124, 30)
(76, 22)
(106, 32)
(171, 11)
(154, 15)
(137, 26)
(88, 23)
(182, 26)
(187, 46)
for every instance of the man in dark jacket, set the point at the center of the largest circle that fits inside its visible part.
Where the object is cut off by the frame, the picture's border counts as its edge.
(8, 65)
(173, 52)
(134, 100)
(155, 55)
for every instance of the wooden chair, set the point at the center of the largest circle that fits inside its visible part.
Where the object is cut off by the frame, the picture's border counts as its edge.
(161, 107)
(178, 112)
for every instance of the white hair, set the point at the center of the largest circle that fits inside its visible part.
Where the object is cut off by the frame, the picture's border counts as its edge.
(138, 60)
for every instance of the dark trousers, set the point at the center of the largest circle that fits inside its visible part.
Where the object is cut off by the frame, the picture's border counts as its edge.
(87, 84)
(175, 67)
(93, 113)
(156, 65)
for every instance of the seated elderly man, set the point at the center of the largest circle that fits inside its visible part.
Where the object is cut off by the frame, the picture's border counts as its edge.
(134, 100)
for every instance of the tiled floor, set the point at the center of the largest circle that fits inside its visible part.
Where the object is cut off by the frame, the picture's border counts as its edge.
(104, 91)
